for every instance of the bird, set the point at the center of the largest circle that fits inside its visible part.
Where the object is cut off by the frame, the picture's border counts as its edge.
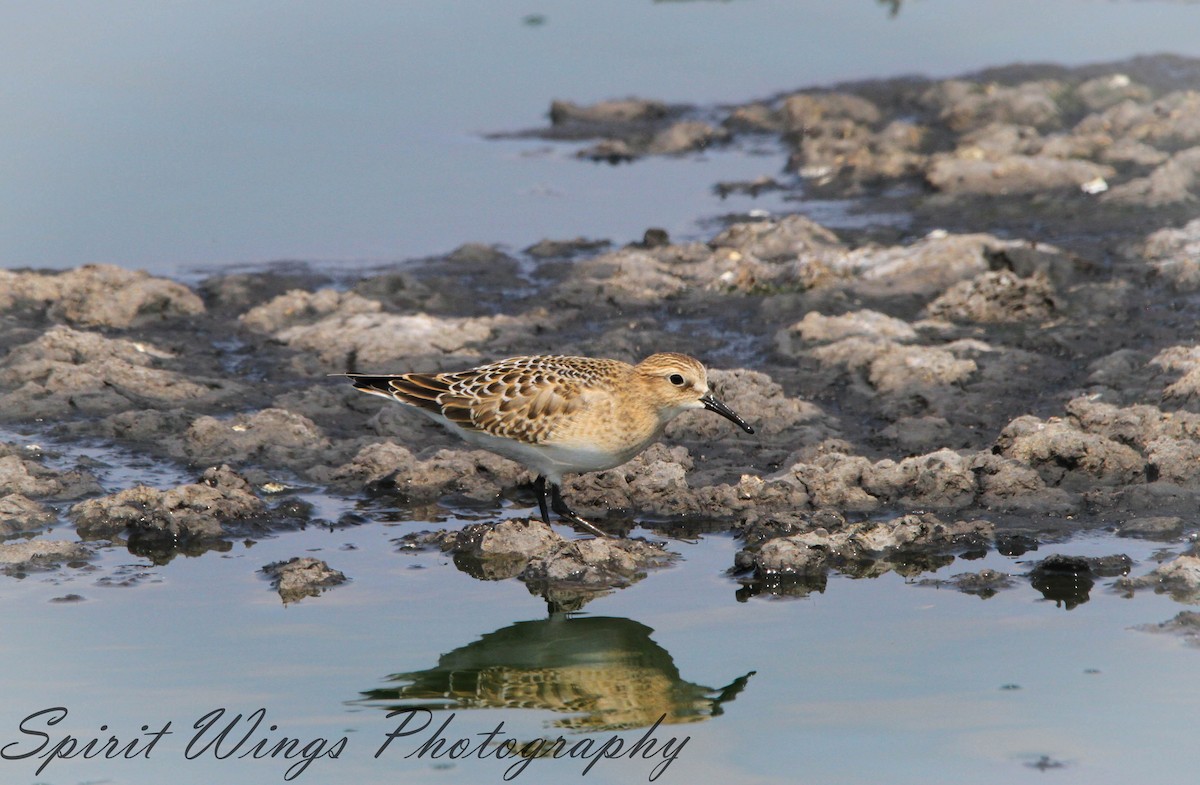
(557, 414)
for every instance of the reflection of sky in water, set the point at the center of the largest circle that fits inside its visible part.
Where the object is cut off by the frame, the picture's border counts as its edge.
(192, 133)
(872, 676)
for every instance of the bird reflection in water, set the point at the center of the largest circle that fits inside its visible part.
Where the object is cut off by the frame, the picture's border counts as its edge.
(605, 672)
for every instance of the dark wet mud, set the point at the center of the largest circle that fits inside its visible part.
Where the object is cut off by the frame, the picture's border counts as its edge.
(1019, 358)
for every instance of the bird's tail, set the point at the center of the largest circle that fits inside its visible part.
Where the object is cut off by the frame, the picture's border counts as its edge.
(415, 389)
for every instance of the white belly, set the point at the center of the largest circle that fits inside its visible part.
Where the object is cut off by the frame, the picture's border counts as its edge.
(549, 460)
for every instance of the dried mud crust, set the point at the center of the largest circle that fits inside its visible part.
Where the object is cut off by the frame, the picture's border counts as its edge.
(302, 576)
(567, 573)
(1025, 355)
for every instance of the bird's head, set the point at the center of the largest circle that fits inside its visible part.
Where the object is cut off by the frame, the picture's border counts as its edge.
(677, 382)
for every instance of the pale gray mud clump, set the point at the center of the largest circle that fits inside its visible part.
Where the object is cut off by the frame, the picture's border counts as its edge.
(567, 573)
(302, 576)
(1018, 358)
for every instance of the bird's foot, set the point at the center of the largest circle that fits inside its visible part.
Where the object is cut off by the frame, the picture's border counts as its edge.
(539, 487)
(565, 512)
(573, 519)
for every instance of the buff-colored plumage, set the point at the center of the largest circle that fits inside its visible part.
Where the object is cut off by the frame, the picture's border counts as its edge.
(557, 414)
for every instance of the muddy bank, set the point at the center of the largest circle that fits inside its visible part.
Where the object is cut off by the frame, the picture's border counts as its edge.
(1022, 358)
(567, 573)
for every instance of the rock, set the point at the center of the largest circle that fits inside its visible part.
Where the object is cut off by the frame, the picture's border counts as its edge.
(1175, 181)
(1014, 545)
(567, 573)
(893, 368)
(171, 518)
(794, 555)
(830, 480)
(678, 138)
(491, 552)
(851, 154)
(925, 268)
(654, 480)
(300, 307)
(475, 474)
(230, 293)
(983, 584)
(630, 110)
(1180, 578)
(866, 548)
(835, 138)
(754, 118)
(26, 477)
(1185, 359)
(1185, 624)
(804, 110)
(474, 255)
(1128, 151)
(1012, 174)
(20, 556)
(1174, 460)
(627, 277)
(943, 480)
(1112, 369)
(686, 137)
(372, 464)
(594, 564)
(346, 331)
(1175, 255)
(1105, 91)
(367, 340)
(20, 515)
(1173, 120)
(996, 297)
(1068, 580)
(301, 577)
(98, 295)
(1139, 425)
(1067, 457)
(818, 328)
(67, 371)
(1163, 528)
(758, 527)
(566, 249)
(1010, 486)
(161, 428)
(963, 106)
(520, 539)
(997, 140)
(270, 437)
(918, 532)
(786, 238)
(611, 151)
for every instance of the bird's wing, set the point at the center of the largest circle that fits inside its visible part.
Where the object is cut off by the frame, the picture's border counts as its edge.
(522, 398)
(512, 399)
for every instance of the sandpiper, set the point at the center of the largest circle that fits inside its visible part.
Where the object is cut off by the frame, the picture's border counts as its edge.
(558, 415)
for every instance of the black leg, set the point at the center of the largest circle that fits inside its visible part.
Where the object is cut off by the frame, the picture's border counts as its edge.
(567, 514)
(539, 486)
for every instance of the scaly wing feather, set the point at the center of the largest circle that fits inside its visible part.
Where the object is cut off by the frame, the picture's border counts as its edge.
(523, 398)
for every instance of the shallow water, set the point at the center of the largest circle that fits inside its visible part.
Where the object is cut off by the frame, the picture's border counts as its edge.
(203, 134)
(871, 675)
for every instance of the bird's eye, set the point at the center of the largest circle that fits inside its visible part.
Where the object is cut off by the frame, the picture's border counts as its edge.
(675, 379)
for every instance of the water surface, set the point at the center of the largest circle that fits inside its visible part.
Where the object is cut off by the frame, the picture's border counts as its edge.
(204, 133)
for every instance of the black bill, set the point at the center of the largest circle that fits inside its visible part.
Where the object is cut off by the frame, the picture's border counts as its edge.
(713, 405)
